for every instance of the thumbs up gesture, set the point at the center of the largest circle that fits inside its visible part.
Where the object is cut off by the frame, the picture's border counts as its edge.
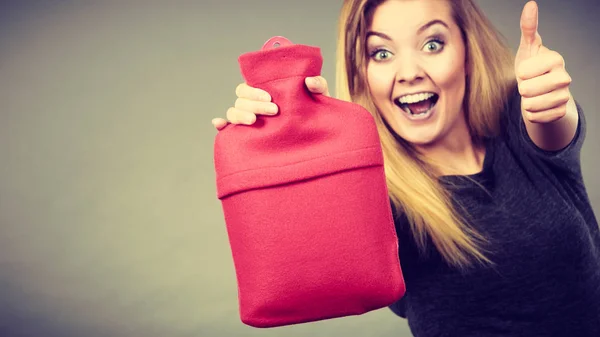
(541, 75)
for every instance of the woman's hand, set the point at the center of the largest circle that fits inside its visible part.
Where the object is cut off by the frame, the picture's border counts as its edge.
(253, 101)
(547, 105)
(541, 74)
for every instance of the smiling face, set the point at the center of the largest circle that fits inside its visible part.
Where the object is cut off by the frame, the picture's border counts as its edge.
(416, 70)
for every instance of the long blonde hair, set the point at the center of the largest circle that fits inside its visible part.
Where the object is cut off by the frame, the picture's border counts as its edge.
(412, 184)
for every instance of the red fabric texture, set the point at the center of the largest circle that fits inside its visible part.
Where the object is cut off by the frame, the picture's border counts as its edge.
(305, 201)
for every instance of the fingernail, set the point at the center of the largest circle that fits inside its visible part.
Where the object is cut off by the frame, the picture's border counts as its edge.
(272, 109)
(315, 81)
(265, 97)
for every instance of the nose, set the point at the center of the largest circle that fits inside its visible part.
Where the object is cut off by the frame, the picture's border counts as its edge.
(408, 70)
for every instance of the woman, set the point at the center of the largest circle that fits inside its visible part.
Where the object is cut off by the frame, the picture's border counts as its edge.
(497, 235)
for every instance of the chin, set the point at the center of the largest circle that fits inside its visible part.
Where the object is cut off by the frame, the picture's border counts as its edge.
(423, 135)
(419, 140)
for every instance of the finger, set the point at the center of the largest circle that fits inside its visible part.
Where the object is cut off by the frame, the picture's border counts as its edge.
(530, 39)
(544, 84)
(547, 116)
(546, 101)
(317, 85)
(245, 91)
(539, 65)
(256, 107)
(219, 123)
(237, 116)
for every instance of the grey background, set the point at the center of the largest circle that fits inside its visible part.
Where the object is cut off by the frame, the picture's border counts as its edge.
(109, 222)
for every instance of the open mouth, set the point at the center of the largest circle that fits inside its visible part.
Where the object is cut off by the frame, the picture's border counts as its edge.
(417, 104)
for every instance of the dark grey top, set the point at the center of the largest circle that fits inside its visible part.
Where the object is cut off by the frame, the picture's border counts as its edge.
(544, 241)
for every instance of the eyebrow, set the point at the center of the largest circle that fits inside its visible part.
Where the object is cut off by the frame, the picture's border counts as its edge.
(419, 31)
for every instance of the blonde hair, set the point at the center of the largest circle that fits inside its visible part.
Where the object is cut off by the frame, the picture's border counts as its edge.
(412, 184)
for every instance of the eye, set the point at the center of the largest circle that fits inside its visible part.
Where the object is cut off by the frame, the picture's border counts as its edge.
(381, 55)
(434, 46)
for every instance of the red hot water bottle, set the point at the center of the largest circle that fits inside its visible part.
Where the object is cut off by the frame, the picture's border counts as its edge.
(305, 200)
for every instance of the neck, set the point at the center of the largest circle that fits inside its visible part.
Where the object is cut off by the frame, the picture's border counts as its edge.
(456, 154)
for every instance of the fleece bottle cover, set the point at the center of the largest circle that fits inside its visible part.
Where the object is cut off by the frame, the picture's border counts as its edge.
(305, 199)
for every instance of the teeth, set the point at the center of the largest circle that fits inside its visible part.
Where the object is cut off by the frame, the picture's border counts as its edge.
(408, 99)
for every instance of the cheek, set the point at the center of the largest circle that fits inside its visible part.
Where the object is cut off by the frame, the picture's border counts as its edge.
(455, 71)
(450, 77)
(451, 81)
(378, 81)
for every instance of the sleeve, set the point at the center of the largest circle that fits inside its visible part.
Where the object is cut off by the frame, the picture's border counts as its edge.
(405, 246)
(567, 158)
(399, 307)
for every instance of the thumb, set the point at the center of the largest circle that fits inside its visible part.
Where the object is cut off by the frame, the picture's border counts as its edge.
(530, 39)
(317, 85)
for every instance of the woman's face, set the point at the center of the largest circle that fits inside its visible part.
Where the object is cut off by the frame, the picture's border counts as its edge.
(416, 70)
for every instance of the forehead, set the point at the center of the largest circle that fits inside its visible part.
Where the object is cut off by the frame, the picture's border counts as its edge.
(406, 16)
